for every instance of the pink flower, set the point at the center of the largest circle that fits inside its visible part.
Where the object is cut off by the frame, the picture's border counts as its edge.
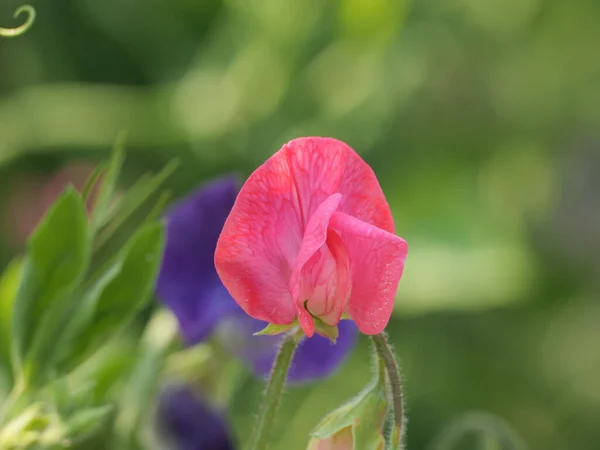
(312, 236)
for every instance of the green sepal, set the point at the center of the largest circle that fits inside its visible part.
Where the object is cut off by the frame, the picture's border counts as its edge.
(273, 329)
(321, 328)
(329, 331)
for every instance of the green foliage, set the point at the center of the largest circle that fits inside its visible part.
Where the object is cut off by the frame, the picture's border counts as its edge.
(127, 284)
(59, 311)
(56, 260)
(9, 283)
(109, 185)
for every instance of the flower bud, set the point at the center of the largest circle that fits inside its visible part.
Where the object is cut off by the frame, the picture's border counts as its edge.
(341, 440)
(357, 425)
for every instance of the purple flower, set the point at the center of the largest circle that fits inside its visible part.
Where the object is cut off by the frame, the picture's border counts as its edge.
(189, 422)
(189, 286)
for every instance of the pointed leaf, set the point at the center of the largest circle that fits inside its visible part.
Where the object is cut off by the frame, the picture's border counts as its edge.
(85, 422)
(92, 181)
(128, 292)
(133, 200)
(109, 183)
(9, 283)
(159, 206)
(84, 311)
(57, 257)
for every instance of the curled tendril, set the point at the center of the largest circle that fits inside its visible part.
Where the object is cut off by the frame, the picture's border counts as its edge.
(483, 424)
(17, 31)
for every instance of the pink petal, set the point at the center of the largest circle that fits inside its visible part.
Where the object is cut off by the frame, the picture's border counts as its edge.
(323, 166)
(377, 260)
(259, 243)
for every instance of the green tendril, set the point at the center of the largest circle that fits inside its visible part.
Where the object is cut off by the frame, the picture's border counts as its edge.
(482, 424)
(17, 31)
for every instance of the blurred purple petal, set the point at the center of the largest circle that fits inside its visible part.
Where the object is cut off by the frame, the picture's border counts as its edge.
(188, 283)
(190, 422)
(315, 358)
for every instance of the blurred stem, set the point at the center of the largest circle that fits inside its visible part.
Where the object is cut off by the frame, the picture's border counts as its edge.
(386, 354)
(158, 338)
(263, 425)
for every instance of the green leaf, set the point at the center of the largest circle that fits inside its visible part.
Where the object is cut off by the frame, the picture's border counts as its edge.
(92, 181)
(83, 312)
(57, 256)
(127, 293)
(109, 184)
(159, 206)
(133, 200)
(85, 422)
(9, 283)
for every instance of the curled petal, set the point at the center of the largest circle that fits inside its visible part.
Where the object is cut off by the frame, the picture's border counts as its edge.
(377, 261)
(329, 280)
(315, 267)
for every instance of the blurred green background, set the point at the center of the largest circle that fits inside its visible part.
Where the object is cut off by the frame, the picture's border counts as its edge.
(480, 118)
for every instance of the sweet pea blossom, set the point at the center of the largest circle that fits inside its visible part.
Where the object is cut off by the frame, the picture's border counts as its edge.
(189, 286)
(311, 235)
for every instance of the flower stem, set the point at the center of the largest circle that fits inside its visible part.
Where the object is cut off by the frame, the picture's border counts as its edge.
(386, 354)
(263, 425)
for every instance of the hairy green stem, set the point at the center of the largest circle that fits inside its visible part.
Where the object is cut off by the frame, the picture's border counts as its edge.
(274, 390)
(386, 354)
